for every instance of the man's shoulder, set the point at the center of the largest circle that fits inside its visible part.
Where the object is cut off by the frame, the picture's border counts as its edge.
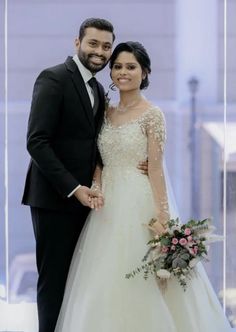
(59, 70)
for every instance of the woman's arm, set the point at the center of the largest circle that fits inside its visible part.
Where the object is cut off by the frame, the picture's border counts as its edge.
(97, 178)
(156, 134)
(97, 202)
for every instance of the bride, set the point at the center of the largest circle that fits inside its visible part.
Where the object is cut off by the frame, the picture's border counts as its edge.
(98, 297)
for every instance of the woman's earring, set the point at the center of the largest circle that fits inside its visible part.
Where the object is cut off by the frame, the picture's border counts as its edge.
(112, 86)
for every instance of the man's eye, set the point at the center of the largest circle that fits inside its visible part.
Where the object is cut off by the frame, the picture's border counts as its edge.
(107, 47)
(92, 44)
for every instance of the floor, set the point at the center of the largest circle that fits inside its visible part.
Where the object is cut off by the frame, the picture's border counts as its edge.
(25, 317)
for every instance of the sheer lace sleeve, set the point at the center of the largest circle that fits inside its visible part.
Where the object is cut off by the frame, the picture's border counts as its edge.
(156, 134)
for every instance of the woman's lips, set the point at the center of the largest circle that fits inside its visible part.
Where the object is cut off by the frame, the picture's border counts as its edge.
(123, 80)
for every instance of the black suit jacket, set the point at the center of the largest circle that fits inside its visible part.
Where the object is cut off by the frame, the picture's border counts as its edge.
(61, 138)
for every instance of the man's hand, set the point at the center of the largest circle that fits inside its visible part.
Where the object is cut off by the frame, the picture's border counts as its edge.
(143, 166)
(86, 195)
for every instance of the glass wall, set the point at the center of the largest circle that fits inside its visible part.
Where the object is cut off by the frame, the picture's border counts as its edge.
(195, 147)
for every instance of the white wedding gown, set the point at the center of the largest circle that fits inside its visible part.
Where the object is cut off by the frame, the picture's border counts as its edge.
(98, 297)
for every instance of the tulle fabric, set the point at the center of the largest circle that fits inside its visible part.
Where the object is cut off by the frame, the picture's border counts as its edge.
(99, 298)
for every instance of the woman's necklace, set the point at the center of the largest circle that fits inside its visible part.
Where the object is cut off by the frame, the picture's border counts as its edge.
(124, 108)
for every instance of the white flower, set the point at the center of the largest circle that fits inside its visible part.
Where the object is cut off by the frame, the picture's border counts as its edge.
(176, 228)
(182, 277)
(184, 270)
(194, 261)
(163, 274)
(156, 254)
(213, 238)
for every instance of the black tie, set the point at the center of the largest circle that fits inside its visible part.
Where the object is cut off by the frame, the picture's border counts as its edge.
(93, 83)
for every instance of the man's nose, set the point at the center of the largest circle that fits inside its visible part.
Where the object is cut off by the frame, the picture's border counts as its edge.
(99, 50)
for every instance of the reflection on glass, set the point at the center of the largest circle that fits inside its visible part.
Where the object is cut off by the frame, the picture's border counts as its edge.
(29, 52)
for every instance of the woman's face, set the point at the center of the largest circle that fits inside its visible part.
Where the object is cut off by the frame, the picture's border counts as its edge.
(126, 72)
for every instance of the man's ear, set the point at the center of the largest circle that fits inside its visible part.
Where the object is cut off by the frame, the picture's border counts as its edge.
(77, 42)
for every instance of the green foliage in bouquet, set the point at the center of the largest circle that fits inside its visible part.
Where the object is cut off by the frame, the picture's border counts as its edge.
(176, 252)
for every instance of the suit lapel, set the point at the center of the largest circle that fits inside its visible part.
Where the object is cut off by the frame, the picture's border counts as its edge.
(101, 109)
(81, 89)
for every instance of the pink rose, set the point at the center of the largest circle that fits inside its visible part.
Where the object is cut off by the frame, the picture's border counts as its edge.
(187, 231)
(183, 241)
(190, 238)
(191, 251)
(172, 247)
(174, 240)
(164, 249)
(195, 249)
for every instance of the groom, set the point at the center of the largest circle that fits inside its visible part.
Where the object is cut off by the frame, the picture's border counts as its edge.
(65, 118)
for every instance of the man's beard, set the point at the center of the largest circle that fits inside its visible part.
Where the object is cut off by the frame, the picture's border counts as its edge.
(85, 60)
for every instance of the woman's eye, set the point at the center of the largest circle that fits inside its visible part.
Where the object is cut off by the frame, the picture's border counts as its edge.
(117, 67)
(131, 67)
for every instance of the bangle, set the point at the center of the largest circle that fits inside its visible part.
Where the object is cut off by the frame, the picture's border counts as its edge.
(95, 186)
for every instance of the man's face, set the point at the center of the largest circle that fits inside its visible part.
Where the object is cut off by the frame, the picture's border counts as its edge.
(94, 50)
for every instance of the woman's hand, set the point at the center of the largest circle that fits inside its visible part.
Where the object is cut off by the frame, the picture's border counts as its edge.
(143, 167)
(97, 202)
(156, 227)
(88, 196)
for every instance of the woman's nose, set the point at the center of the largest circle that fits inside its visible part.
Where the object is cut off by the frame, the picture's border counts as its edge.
(123, 71)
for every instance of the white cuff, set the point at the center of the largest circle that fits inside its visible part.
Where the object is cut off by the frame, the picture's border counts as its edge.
(72, 193)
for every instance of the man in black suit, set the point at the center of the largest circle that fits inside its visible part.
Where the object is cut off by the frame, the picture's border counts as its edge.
(66, 115)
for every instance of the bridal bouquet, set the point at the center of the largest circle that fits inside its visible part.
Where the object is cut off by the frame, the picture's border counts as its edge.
(177, 250)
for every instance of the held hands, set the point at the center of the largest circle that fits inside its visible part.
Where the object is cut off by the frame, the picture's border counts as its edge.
(89, 197)
(97, 202)
(143, 167)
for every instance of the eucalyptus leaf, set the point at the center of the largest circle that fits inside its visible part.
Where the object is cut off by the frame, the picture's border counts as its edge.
(178, 262)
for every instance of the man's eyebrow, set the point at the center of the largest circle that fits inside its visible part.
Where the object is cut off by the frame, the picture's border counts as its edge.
(97, 41)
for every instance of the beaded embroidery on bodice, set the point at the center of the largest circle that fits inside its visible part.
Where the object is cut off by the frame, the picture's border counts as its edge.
(127, 144)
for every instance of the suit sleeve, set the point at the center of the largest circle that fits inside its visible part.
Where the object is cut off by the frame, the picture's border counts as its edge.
(42, 126)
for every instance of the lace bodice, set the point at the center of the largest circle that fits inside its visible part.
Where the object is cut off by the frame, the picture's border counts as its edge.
(126, 145)
(136, 140)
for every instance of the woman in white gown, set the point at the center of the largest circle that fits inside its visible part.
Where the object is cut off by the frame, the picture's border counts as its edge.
(98, 297)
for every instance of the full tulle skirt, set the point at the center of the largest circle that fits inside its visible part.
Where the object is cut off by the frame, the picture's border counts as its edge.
(98, 297)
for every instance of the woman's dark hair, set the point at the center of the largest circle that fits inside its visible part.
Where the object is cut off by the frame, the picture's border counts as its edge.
(97, 23)
(140, 54)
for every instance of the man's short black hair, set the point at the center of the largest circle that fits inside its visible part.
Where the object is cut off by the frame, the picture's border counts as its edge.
(97, 23)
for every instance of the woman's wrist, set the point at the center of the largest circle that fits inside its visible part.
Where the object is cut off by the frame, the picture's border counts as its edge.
(96, 186)
(163, 218)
